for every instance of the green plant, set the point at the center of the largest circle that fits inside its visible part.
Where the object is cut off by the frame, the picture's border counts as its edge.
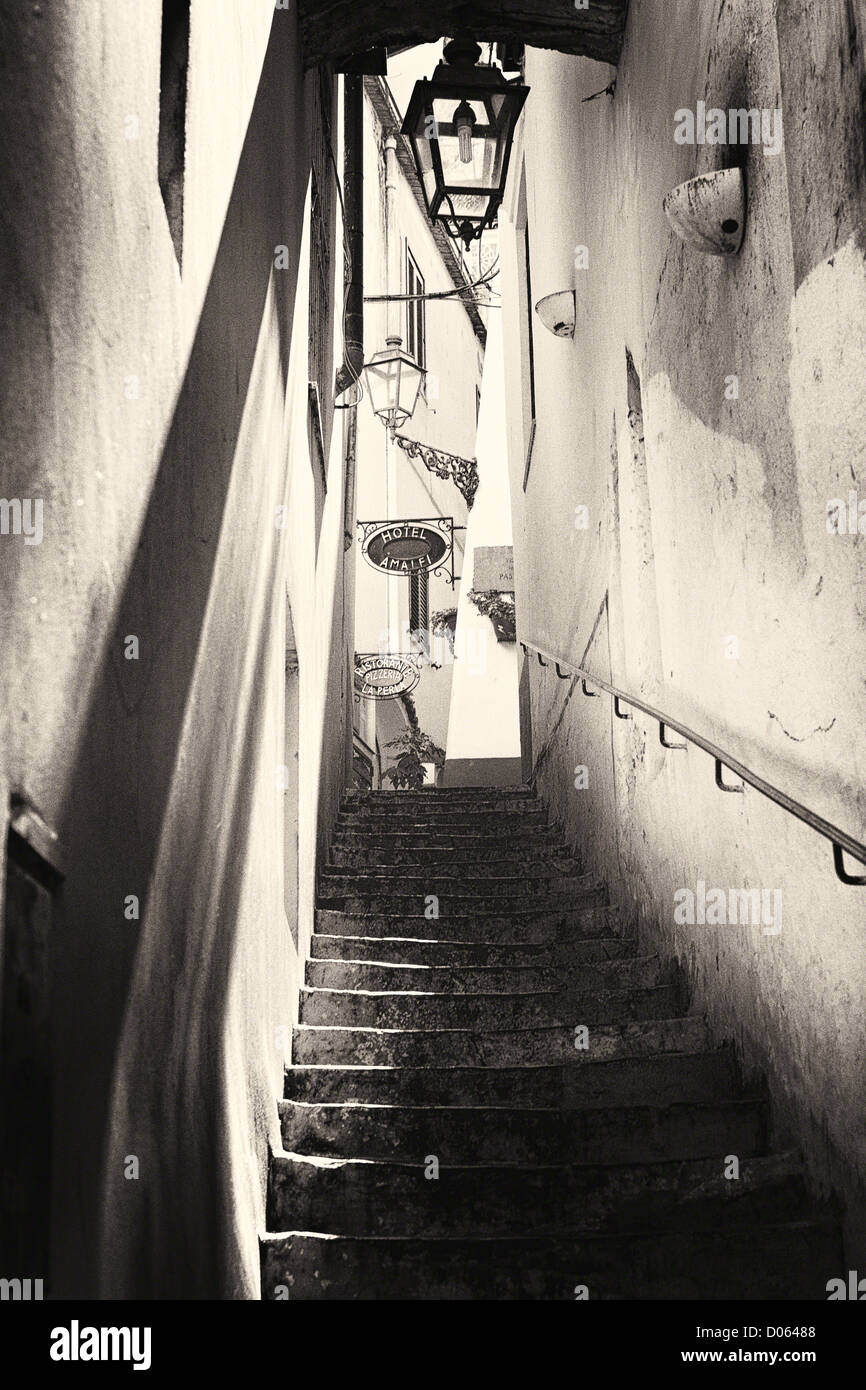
(444, 624)
(417, 748)
(499, 608)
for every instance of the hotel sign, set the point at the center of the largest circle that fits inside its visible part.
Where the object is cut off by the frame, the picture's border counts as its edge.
(410, 547)
(385, 677)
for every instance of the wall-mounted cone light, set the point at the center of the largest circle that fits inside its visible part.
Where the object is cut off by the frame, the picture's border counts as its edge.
(709, 212)
(557, 312)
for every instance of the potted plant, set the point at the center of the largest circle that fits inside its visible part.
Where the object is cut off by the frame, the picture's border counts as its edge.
(408, 773)
(444, 624)
(499, 608)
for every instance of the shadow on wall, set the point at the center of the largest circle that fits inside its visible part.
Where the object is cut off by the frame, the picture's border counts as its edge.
(164, 783)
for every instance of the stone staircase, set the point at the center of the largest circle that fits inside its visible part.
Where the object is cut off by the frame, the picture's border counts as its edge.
(449, 1044)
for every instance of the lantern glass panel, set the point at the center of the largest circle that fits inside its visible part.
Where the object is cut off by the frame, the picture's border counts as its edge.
(409, 387)
(382, 380)
(393, 381)
(426, 167)
(485, 167)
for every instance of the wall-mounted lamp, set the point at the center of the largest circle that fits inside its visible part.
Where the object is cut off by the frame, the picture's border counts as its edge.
(461, 125)
(557, 312)
(393, 382)
(709, 212)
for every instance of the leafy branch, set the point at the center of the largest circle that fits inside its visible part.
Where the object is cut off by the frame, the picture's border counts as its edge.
(417, 748)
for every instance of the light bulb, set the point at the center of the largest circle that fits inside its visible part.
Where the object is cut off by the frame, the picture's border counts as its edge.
(464, 120)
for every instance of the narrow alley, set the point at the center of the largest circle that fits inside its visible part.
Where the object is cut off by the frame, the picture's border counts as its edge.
(432, 740)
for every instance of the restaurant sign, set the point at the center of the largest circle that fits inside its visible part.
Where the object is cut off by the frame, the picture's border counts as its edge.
(384, 677)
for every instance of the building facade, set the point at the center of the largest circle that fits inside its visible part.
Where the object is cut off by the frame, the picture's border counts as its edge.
(405, 611)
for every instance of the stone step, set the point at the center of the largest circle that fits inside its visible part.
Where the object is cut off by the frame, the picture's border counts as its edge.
(421, 1047)
(785, 1261)
(506, 820)
(368, 1197)
(634, 971)
(420, 806)
(656, 1080)
(430, 796)
(492, 903)
(422, 802)
(508, 887)
(407, 951)
(465, 832)
(493, 841)
(484, 1012)
(479, 1134)
(487, 859)
(513, 928)
(581, 1127)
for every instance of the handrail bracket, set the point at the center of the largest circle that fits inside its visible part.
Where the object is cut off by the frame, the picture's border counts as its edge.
(852, 880)
(720, 779)
(842, 843)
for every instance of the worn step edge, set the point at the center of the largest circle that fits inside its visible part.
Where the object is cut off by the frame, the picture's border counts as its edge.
(744, 1262)
(660, 1079)
(390, 977)
(344, 1195)
(583, 954)
(636, 1038)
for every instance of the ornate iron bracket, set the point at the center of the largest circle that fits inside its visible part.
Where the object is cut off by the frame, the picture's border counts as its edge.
(462, 472)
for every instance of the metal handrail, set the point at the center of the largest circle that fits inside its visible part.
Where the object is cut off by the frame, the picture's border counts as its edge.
(841, 842)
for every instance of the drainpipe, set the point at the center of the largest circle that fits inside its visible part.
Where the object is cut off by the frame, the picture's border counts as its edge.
(353, 361)
(393, 337)
(349, 376)
(392, 247)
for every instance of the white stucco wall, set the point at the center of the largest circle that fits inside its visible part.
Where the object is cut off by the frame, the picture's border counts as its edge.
(156, 415)
(721, 534)
(484, 717)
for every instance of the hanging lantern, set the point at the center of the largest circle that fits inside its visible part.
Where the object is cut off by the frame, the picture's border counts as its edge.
(393, 382)
(461, 127)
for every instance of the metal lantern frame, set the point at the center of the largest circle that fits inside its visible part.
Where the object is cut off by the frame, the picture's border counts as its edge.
(459, 81)
(387, 371)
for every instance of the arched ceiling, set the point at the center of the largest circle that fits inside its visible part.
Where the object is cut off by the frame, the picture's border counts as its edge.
(336, 30)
